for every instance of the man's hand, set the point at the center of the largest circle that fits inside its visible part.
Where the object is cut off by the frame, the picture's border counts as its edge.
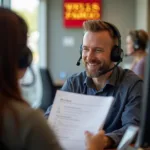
(108, 142)
(95, 142)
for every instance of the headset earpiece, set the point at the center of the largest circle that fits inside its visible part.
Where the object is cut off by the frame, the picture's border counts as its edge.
(25, 58)
(136, 41)
(116, 54)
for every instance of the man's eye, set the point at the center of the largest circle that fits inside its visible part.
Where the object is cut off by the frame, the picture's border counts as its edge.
(85, 49)
(99, 50)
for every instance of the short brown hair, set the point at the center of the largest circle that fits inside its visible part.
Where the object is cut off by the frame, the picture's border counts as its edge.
(99, 25)
(141, 36)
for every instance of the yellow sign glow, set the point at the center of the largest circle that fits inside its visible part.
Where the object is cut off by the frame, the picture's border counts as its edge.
(82, 11)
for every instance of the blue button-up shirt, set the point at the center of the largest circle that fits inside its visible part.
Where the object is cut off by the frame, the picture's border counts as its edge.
(125, 87)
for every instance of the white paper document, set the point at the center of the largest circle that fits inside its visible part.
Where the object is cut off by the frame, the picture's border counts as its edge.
(72, 114)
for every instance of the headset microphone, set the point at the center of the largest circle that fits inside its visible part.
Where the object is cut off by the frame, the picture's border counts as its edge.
(103, 72)
(78, 62)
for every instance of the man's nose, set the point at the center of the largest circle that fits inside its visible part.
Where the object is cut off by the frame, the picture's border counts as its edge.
(90, 55)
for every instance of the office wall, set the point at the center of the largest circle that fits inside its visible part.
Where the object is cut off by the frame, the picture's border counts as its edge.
(142, 14)
(148, 16)
(62, 57)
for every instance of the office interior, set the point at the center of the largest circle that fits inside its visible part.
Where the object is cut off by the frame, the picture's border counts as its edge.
(56, 47)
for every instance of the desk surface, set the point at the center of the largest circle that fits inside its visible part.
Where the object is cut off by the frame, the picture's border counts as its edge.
(58, 83)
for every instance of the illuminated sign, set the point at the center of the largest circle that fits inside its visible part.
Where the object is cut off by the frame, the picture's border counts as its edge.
(77, 11)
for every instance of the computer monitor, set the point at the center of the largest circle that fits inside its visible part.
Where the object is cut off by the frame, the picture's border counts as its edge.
(143, 139)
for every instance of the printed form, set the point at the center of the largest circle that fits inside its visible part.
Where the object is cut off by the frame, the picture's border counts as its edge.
(72, 114)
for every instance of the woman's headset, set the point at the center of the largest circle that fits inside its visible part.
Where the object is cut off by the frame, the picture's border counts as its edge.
(25, 57)
(116, 52)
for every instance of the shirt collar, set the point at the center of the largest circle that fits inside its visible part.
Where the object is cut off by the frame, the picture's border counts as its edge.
(113, 77)
(111, 81)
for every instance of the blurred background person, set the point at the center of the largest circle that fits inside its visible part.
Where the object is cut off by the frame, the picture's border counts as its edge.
(136, 43)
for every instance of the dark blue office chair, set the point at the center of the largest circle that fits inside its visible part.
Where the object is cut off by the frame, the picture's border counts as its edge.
(49, 89)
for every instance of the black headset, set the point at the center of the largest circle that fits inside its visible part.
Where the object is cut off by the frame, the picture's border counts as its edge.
(25, 59)
(25, 56)
(137, 42)
(116, 52)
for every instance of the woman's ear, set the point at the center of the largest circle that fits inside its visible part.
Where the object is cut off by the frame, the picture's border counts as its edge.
(21, 73)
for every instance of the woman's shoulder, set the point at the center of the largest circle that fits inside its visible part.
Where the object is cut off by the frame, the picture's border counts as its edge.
(20, 115)
(24, 115)
(30, 124)
(22, 110)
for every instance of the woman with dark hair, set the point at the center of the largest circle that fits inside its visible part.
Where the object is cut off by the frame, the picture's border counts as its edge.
(21, 127)
(136, 42)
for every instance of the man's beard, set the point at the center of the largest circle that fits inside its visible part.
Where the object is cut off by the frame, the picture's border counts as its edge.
(100, 71)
